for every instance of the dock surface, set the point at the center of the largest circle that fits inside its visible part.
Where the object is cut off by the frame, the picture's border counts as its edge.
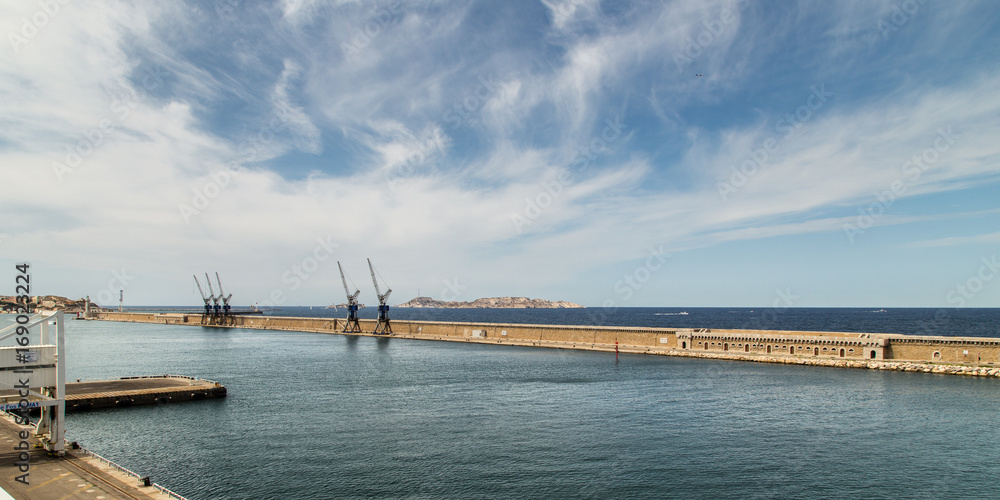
(76, 475)
(125, 384)
(131, 391)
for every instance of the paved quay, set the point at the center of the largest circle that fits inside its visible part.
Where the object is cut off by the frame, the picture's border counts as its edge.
(74, 476)
(131, 391)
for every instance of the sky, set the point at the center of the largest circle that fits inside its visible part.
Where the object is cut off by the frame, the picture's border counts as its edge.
(613, 154)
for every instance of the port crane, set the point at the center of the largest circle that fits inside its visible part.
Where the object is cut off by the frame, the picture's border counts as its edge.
(225, 300)
(382, 326)
(208, 307)
(215, 299)
(352, 325)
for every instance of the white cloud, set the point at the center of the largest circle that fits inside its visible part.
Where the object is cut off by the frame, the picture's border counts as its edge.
(305, 134)
(958, 240)
(432, 198)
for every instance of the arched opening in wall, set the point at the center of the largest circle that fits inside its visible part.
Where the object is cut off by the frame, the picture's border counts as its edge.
(684, 345)
(706, 346)
(841, 353)
(815, 351)
(791, 350)
(725, 347)
(872, 355)
(936, 356)
(746, 348)
(769, 349)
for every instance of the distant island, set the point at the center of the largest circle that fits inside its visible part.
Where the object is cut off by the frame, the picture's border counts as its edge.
(493, 303)
(9, 303)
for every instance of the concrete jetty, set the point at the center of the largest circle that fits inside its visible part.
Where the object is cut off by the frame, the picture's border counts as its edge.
(78, 474)
(130, 391)
(974, 356)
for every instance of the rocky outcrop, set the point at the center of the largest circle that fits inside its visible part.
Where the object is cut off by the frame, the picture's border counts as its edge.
(493, 303)
(47, 302)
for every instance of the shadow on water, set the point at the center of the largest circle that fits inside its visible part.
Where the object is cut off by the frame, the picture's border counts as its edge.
(352, 342)
(382, 343)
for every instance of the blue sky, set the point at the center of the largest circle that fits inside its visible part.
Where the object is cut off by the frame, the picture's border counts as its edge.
(730, 153)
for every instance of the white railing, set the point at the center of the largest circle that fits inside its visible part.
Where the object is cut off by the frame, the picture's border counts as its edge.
(119, 468)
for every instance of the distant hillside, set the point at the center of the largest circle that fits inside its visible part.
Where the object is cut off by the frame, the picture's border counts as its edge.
(48, 302)
(493, 303)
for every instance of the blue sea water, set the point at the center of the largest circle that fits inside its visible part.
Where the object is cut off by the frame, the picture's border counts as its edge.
(331, 416)
(962, 322)
(954, 322)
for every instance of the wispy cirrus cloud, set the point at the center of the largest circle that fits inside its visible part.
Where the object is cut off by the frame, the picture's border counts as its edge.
(959, 240)
(449, 119)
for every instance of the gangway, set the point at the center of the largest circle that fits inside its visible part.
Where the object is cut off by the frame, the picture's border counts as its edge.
(37, 371)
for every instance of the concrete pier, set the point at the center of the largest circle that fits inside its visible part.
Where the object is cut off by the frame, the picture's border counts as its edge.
(131, 391)
(78, 474)
(884, 351)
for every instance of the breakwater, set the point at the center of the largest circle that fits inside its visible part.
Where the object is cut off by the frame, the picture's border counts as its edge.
(974, 356)
(125, 392)
(135, 391)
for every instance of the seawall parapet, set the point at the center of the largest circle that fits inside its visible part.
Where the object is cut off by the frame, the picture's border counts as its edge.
(930, 354)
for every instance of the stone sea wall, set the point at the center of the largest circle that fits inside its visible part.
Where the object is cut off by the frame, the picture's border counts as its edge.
(927, 354)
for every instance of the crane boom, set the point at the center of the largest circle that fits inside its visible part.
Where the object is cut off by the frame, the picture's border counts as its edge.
(374, 281)
(202, 292)
(210, 290)
(381, 297)
(383, 326)
(343, 279)
(225, 300)
(208, 307)
(351, 298)
(351, 325)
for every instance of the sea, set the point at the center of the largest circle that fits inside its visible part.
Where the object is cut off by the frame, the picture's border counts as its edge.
(319, 416)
